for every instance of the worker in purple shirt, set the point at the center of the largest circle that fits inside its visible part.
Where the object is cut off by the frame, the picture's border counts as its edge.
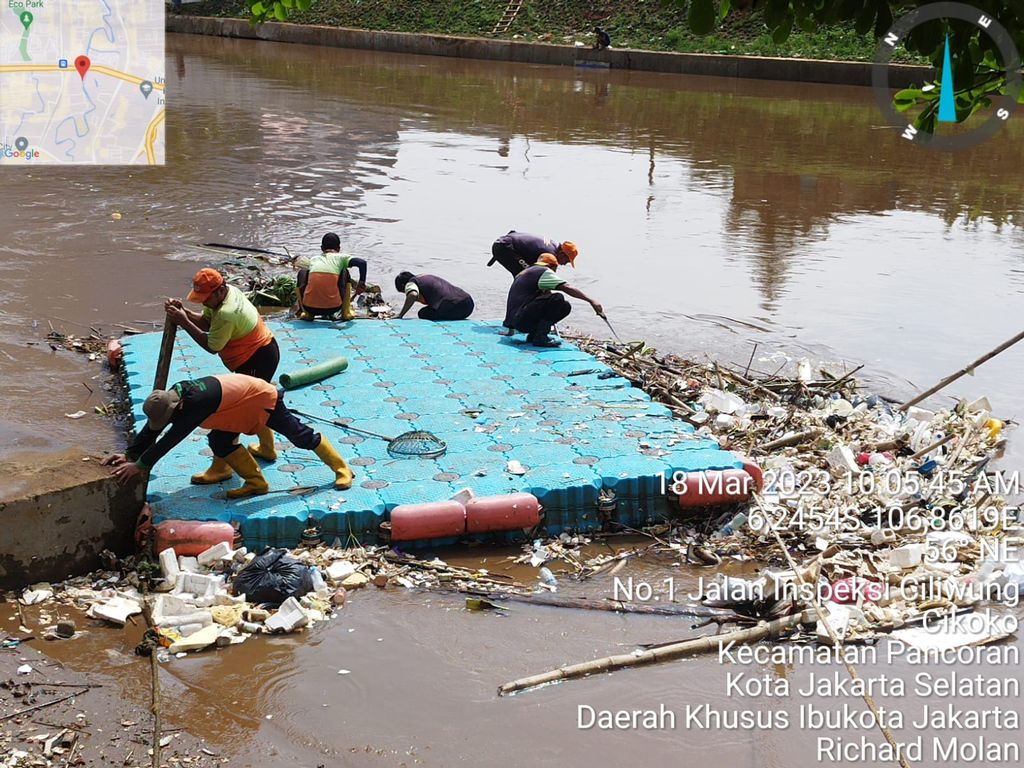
(441, 299)
(518, 250)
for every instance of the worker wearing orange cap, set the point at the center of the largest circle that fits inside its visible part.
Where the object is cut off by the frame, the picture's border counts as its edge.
(535, 301)
(517, 251)
(231, 326)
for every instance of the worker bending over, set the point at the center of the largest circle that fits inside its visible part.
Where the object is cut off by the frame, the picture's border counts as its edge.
(535, 302)
(231, 326)
(443, 300)
(518, 250)
(325, 287)
(228, 405)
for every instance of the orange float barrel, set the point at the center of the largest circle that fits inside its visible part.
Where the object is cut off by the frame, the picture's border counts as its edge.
(713, 487)
(511, 512)
(191, 537)
(436, 520)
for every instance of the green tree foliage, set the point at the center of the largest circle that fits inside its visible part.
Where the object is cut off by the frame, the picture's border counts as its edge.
(978, 72)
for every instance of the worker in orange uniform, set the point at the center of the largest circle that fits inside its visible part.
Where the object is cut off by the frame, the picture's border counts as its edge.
(231, 326)
(324, 283)
(228, 405)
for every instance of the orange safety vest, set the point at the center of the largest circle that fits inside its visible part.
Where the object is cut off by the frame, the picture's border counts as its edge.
(245, 404)
(238, 351)
(322, 291)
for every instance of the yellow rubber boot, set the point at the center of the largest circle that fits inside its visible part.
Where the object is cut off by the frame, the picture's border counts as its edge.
(346, 303)
(245, 465)
(265, 448)
(218, 472)
(342, 474)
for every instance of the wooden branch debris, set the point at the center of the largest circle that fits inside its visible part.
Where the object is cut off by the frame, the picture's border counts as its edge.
(657, 655)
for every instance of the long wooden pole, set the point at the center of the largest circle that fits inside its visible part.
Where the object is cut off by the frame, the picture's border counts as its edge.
(662, 653)
(163, 363)
(969, 368)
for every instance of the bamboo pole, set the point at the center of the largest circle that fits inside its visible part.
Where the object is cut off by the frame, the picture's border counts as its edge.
(664, 653)
(799, 437)
(163, 363)
(969, 368)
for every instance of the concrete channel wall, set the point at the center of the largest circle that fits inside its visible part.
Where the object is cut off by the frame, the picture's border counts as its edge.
(753, 67)
(63, 514)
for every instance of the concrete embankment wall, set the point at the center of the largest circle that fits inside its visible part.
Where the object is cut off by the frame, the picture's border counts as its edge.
(754, 67)
(58, 515)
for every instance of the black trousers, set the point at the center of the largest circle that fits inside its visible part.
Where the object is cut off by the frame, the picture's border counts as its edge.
(537, 316)
(507, 257)
(262, 364)
(448, 310)
(281, 420)
(302, 280)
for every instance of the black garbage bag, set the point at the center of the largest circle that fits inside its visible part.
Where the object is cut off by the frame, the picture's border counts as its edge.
(273, 577)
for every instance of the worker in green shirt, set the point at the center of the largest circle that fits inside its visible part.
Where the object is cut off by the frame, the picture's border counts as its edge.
(325, 287)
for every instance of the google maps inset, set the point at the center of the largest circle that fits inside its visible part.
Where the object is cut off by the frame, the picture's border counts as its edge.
(82, 82)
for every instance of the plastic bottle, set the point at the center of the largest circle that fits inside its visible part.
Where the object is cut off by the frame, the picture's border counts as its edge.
(319, 585)
(548, 577)
(738, 521)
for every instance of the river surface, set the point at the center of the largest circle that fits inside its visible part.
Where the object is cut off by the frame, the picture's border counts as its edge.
(711, 214)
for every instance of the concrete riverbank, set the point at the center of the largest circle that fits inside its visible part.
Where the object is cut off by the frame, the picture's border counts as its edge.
(60, 513)
(751, 67)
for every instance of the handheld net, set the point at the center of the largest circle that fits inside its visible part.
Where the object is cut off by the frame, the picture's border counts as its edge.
(417, 443)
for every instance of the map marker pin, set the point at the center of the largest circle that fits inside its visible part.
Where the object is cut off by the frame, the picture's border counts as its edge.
(26, 20)
(146, 87)
(82, 64)
(21, 143)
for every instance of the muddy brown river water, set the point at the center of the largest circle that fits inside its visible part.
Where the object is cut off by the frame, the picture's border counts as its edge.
(710, 214)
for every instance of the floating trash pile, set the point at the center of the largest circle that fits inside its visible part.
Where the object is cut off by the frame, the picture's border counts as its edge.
(892, 515)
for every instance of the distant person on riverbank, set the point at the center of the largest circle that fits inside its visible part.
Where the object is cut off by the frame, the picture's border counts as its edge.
(228, 405)
(518, 250)
(325, 287)
(603, 39)
(231, 326)
(535, 302)
(443, 300)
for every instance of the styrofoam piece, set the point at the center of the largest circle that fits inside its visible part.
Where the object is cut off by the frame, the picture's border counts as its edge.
(463, 496)
(981, 404)
(188, 564)
(169, 605)
(919, 414)
(169, 564)
(838, 618)
(214, 554)
(338, 570)
(289, 617)
(116, 610)
(204, 638)
(198, 584)
(841, 459)
(907, 556)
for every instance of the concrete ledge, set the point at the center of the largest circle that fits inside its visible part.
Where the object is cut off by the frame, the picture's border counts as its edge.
(754, 67)
(61, 514)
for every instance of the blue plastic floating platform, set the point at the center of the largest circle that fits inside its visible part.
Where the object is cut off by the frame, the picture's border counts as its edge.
(490, 398)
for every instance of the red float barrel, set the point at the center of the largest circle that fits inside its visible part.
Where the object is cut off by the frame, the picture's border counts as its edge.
(753, 470)
(191, 537)
(712, 487)
(114, 353)
(436, 520)
(502, 513)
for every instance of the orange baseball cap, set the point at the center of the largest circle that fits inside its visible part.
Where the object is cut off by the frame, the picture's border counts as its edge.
(548, 260)
(570, 251)
(204, 283)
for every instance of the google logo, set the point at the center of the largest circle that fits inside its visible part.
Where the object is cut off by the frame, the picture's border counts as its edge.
(9, 152)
